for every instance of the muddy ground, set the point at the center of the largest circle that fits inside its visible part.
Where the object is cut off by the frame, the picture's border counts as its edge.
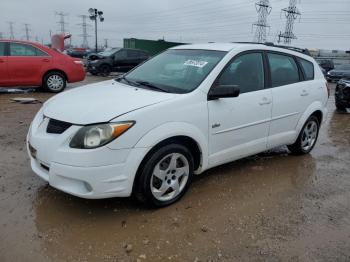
(271, 207)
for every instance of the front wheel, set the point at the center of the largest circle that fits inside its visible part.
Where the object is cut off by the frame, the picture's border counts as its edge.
(105, 70)
(165, 176)
(307, 137)
(55, 82)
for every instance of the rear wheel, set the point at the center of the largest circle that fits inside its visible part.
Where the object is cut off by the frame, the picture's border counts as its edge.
(54, 82)
(165, 176)
(307, 137)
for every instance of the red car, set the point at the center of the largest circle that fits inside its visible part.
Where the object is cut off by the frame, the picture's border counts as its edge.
(24, 63)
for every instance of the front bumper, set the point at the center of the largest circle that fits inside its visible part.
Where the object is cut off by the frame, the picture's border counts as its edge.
(94, 173)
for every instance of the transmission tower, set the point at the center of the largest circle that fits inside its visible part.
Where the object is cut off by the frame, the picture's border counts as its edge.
(62, 22)
(85, 34)
(27, 30)
(264, 9)
(12, 35)
(292, 14)
(106, 42)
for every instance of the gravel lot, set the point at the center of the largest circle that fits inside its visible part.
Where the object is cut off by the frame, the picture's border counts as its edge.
(270, 207)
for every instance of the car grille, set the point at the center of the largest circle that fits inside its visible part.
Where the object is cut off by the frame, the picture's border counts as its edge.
(57, 127)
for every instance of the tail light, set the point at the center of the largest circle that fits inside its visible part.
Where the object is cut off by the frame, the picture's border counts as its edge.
(328, 89)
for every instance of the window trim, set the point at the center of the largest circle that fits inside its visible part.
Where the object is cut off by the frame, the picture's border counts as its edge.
(260, 51)
(300, 73)
(27, 44)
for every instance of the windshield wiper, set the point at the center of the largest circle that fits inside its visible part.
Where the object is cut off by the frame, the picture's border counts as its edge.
(151, 86)
(128, 81)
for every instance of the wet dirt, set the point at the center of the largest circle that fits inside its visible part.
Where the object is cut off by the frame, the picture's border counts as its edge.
(270, 207)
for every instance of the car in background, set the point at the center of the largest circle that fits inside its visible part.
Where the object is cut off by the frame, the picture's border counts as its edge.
(29, 64)
(338, 73)
(342, 94)
(326, 64)
(116, 60)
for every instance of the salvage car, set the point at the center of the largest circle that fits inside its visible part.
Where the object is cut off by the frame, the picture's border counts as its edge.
(326, 64)
(115, 60)
(29, 64)
(338, 73)
(188, 109)
(342, 94)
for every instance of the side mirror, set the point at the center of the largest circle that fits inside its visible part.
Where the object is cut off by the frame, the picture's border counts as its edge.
(222, 91)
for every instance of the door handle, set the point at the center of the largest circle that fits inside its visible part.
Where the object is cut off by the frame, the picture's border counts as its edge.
(265, 101)
(304, 93)
(46, 60)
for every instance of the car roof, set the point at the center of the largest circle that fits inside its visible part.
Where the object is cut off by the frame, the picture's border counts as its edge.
(227, 47)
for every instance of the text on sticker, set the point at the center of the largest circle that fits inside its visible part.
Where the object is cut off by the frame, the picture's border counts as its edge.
(195, 63)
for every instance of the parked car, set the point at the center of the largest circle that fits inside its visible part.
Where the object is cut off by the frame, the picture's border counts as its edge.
(340, 72)
(24, 63)
(342, 94)
(180, 113)
(326, 64)
(116, 60)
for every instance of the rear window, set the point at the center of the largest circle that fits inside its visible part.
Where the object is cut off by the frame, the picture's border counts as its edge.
(2, 49)
(308, 68)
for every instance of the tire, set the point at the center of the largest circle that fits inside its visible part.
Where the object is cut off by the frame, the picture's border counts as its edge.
(54, 82)
(174, 165)
(339, 107)
(307, 137)
(105, 70)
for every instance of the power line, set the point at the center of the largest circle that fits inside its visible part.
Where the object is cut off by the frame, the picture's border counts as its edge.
(27, 30)
(291, 13)
(85, 34)
(12, 35)
(264, 9)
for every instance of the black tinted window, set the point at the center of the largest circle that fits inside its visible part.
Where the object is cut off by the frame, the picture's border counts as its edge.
(246, 71)
(122, 54)
(134, 53)
(284, 70)
(2, 49)
(308, 68)
(17, 49)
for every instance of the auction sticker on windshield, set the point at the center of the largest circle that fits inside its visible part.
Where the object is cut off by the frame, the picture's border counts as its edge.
(195, 63)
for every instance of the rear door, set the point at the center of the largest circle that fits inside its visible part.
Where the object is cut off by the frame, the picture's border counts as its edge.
(26, 64)
(4, 76)
(290, 98)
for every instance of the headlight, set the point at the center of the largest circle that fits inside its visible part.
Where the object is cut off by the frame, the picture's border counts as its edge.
(89, 137)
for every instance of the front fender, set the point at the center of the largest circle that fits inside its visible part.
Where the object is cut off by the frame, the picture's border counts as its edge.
(172, 129)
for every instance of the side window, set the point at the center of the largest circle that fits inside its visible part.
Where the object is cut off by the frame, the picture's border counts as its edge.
(246, 71)
(17, 49)
(133, 54)
(308, 68)
(2, 49)
(284, 70)
(120, 55)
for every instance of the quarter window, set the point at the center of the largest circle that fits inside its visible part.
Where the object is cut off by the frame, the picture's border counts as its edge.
(246, 72)
(17, 49)
(308, 68)
(284, 70)
(2, 49)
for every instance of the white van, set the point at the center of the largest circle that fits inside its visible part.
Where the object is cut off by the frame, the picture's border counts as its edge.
(188, 109)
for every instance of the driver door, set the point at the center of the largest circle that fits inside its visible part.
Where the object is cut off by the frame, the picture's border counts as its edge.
(238, 126)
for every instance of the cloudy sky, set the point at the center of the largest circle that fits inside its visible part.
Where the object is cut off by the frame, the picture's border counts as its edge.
(323, 24)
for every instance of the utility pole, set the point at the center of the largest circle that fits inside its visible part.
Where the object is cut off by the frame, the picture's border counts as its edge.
(291, 13)
(106, 42)
(12, 35)
(27, 30)
(62, 22)
(263, 9)
(94, 14)
(85, 34)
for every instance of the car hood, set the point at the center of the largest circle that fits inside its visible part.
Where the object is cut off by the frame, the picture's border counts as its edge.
(101, 102)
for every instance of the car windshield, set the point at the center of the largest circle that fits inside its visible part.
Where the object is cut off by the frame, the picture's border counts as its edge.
(344, 67)
(175, 70)
(109, 52)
